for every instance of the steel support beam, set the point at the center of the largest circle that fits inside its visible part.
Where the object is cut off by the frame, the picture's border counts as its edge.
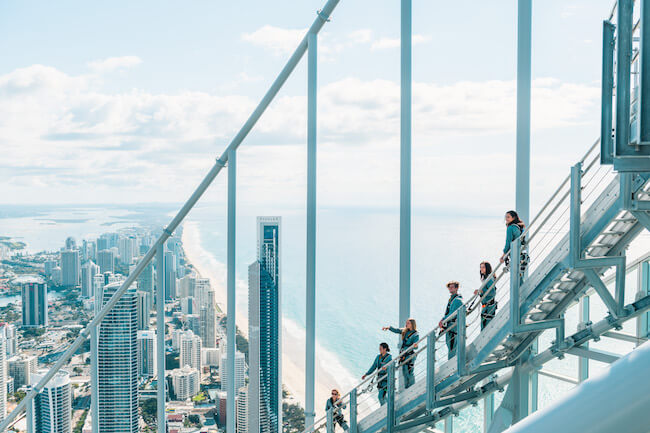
(405, 165)
(643, 322)
(644, 72)
(390, 399)
(354, 426)
(583, 363)
(461, 344)
(595, 354)
(607, 92)
(310, 296)
(623, 70)
(161, 418)
(524, 77)
(231, 337)
(431, 371)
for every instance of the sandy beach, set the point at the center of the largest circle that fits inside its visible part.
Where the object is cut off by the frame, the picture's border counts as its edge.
(330, 373)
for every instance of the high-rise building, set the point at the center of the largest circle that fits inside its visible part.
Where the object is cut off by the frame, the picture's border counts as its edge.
(51, 410)
(146, 353)
(190, 350)
(21, 368)
(127, 247)
(145, 301)
(10, 385)
(193, 323)
(117, 364)
(34, 298)
(264, 330)
(70, 268)
(170, 275)
(187, 305)
(3, 378)
(146, 280)
(186, 382)
(201, 289)
(186, 287)
(210, 356)
(208, 322)
(88, 272)
(242, 410)
(221, 402)
(102, 243)
(106, 261)
(49, 266)
(70, 243)
(8, 331)
(240, 370)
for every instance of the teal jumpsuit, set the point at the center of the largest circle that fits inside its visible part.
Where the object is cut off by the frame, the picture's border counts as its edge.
(408, 339)
(455, 302)
(382, 381)
(488, 304)
(337, 415)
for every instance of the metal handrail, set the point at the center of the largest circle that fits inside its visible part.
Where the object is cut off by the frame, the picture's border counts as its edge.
(493, 276)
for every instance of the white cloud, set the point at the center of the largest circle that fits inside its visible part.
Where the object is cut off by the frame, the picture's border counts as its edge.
(276, 39)
(114, 64)
(388, 43)
(64, 138)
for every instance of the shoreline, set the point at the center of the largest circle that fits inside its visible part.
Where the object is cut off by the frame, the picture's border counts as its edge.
(330, 372)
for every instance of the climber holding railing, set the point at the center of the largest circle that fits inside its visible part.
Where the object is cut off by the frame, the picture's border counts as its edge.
(448, 322)
(336, 405)
(487, 294)
(409, 342)
(380, 363)
(514, 229)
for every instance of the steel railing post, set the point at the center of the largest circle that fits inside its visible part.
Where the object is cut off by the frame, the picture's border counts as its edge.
(390, 398)
(354, 428)
(310, 328)
(231, 337)
(431, 371)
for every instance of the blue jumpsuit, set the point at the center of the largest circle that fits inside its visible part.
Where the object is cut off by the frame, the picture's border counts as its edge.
(337, 415)
(488, 304)
(455, 302)
(382, 381)
(512, 232)
(409, 338)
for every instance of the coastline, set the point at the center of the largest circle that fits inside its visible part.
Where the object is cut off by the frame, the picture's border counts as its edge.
(330, 372)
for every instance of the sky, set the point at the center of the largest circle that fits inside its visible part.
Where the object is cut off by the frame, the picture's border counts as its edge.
(131, 102)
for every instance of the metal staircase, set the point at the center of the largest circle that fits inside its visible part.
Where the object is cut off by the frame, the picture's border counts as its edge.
(556, 276)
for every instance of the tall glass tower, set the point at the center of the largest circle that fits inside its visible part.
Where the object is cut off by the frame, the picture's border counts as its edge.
(265, 328)
(50, 411)
(117, 364)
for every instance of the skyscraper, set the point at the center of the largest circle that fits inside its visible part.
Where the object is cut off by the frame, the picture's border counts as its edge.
(51, 409)
(21, 368)
(242, 410)
(186, 382)
(240, 370)
(190, 350)
(8, 331)
(170, 275)
(145, 302)
(264, 330)
(70, 268)
(208, 315)
(34, 298)
(146, 279)
(106, 261)
(3, 378)
(70, 243)
(88, 272)
(147, 353)
(117, 364)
